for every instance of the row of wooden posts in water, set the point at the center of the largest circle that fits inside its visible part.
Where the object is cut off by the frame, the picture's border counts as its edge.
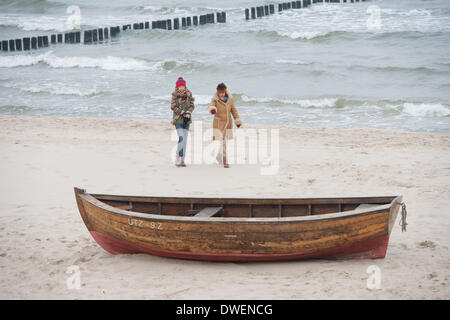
(100, 34)
(265, 10)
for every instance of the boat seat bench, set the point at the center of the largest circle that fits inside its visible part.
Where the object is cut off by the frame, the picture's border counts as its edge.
(208, 212)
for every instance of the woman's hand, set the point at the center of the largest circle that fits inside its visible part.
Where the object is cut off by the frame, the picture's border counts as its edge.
(212, 109)
(188, 115)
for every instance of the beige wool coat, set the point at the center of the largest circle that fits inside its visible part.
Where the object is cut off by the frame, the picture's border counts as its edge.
(222, 119)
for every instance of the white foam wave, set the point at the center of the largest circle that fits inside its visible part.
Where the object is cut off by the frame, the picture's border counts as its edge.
(63, 91)
(426, 109)
(40, 23)
(307, 35)
(306, 103)
(296, 62)
(106, 63)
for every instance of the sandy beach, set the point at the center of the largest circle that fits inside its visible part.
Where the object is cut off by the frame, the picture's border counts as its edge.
(42, 234)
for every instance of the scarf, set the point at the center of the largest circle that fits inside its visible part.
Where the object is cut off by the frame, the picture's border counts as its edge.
(182, 95)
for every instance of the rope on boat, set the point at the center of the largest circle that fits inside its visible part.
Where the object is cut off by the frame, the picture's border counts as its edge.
(402, 221)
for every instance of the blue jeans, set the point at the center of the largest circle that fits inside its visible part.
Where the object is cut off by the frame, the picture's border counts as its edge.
(182, 131)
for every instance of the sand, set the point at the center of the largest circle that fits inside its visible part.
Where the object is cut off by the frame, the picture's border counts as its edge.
(42, 236)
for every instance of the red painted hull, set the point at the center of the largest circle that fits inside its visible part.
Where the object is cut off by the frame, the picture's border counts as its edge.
(370, 249)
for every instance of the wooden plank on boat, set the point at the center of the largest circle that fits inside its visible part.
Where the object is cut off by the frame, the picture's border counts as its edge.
(209, 212)
(128, 206)
(247, 201)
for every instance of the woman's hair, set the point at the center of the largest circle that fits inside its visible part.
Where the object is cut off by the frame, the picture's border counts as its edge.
(221, 86)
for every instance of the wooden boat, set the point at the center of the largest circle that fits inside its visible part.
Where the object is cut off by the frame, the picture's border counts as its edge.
(235, 229)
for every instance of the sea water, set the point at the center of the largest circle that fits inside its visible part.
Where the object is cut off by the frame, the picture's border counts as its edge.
(378, 64)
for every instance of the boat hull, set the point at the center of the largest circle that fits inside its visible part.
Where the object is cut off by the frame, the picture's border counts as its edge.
(368, 249)
(355, 235)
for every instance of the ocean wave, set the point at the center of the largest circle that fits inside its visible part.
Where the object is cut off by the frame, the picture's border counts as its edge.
(409, 13)
(418, 69)
(310, 35)
(294, 34)
(388, 107)
(175, 9)
(114, 63)
(306, 103)
(31, 4)
(160, 10)
(41, 24)
(425, 109)
(407, 108)
(105, 63)
(55, 90)
(294, 62)
(14, 109)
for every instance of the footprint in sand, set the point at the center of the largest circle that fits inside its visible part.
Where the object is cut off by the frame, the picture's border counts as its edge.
(426, 244)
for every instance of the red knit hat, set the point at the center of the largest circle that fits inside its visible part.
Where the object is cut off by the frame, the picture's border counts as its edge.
(180, 82)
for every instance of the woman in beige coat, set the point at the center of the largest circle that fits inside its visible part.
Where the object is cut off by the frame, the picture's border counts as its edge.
(222, 107)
